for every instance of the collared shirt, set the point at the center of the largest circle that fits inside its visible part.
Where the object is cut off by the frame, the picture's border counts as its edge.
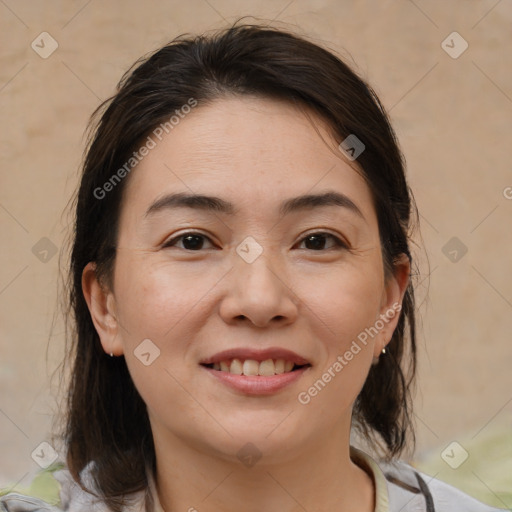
(398, 488)
(360, 458)
(364, 461)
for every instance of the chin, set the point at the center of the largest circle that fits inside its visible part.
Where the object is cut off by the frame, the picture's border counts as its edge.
(273, 442)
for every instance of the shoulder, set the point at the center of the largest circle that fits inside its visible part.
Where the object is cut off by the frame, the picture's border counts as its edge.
(410, 490)
(66, 496)
(400, 488)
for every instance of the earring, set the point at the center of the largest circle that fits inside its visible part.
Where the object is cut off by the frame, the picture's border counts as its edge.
(111, 354)
(376, 359)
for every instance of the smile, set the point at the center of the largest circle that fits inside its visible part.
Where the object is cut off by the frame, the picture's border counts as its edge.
(251, 367)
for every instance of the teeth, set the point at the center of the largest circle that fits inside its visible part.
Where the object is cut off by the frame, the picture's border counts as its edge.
(251, 367)
(279, 366)
(236, 367)
(267, 367)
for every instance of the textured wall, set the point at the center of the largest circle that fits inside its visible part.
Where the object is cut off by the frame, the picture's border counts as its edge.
(453, 116)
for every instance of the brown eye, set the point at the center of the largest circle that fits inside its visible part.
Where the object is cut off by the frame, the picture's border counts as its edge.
(190, 241)
(317, 241)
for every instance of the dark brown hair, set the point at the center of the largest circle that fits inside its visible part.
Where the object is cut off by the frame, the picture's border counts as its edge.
(107, 422)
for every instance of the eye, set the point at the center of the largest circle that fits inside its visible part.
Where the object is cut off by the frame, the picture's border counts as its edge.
(191, 241)
(317, 241)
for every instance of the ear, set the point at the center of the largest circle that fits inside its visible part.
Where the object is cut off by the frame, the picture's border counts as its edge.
(101, 303)
(391, 305)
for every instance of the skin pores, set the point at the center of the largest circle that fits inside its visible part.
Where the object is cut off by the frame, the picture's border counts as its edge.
(254, 153)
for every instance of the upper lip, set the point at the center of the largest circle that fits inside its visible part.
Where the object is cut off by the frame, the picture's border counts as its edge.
(257, 355)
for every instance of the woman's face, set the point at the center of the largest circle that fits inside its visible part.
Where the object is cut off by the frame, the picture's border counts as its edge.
(257, 272)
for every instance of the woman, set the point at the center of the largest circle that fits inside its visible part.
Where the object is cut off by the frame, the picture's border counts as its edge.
(240, 283)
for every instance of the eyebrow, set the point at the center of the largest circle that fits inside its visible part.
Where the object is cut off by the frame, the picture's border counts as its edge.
(216, 204)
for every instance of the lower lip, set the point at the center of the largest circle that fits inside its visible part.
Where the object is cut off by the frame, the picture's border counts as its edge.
(257, 385)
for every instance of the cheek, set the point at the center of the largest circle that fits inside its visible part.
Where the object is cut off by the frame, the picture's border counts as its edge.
(348, 308)
(154, 299)
(163, 306)
(345, 300)
(350, 302)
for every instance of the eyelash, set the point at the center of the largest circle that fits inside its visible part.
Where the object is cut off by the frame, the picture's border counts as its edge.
(338, 242)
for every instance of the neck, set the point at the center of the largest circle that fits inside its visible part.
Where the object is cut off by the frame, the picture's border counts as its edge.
(317, 476)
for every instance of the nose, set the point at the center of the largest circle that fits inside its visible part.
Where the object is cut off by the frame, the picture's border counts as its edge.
(259, 293)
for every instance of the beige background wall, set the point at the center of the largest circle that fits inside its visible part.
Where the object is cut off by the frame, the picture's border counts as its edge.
(454, 120)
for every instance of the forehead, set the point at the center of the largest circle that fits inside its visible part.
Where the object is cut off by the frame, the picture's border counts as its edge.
(253, 151)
